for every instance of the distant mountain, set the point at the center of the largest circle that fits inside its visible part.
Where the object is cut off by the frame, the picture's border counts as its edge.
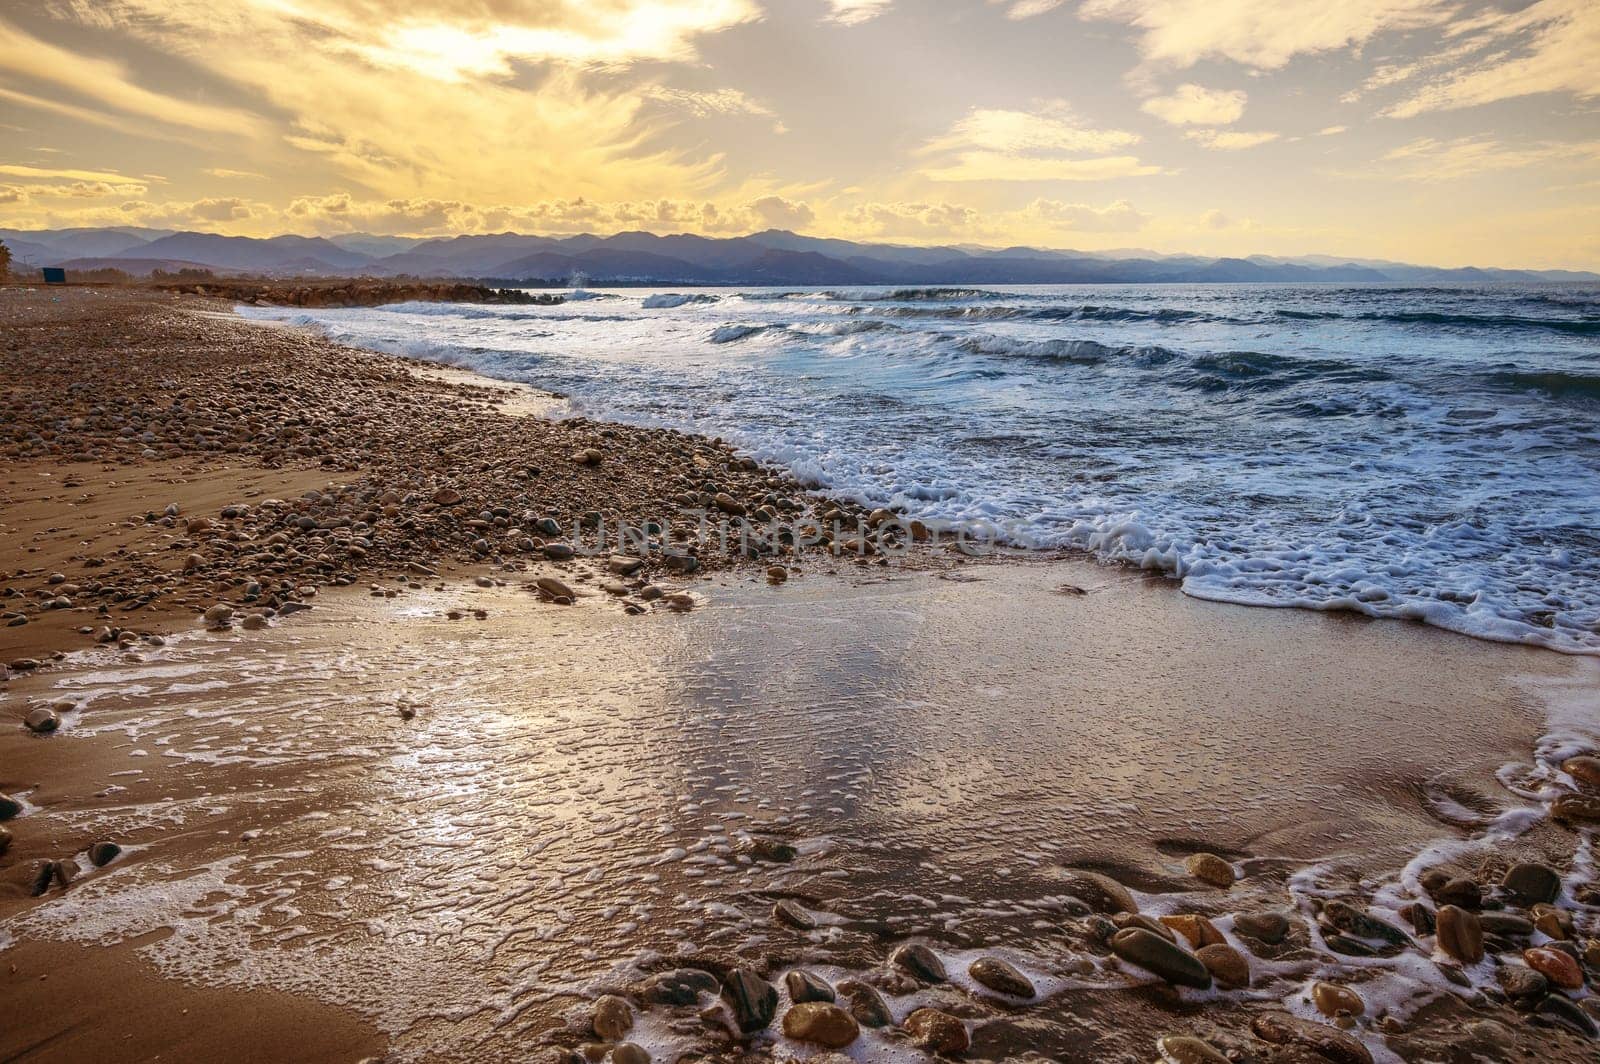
(772, 257)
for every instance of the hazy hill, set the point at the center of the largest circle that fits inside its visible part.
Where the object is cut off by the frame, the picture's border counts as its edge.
(773, 257)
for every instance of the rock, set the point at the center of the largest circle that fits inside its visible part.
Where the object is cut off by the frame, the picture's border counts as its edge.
(254, 622)
(1585, 768)
(1196, 930)
(1211, 869)
(728, 504)
(1422, 919)
(629, 1053)
(803, 986)
(103, 853)
(1282, 1029)
(789, 912)
(1186, 1049)
(1459, 934)
(1532, 883)
(1333, 1000)
(1354, 921)
(559, 552)
(821, 1024)
(1001, 977)
(1558, 967)
(1227, 965)
(1101, 893)
(754, 1001)
(623, 565)
(1505, 924)
(1521, 983)
(613, 1018)
(42, 721)
(680, 986)
(1155, 927)
(919, 961)
(937, 1032)
(219, 616)
(9, 807)
(777, 574)
(1268, 927)
(1460, 892)
(446, 497)
(1558, 1010)
(1552, 922)
(865, 1003)
(555, 588)
(1576, 808)
(772, 850)
(1156, 955)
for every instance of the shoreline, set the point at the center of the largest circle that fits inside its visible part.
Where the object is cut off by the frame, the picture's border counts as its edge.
(967, 719)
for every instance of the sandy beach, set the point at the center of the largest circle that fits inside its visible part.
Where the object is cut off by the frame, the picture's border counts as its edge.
(389, 771)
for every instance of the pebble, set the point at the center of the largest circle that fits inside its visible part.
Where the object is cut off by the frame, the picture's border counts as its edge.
(1210, 869)
(1531, 883)
(1280, 1028)
(1521, 983)
(103, 853)
(1001, 977)
(613, 1018)
(9, 807)
(1268, 927)
(937, 1032)
(754, 1001)
(1558, 967)
(777, 574)
(1460, 892)
(1585, 768)
(1459, 934)
(1333, 1000)
(1227, 965)
(772, 850)
(680, 986)
(865, 1003)
(919, 961)
(1354, 921)
(1101, 893)
(42, 721)
(1559, 1010)
(1186, 1049)
(219, 616)
(630, 1053)
(555, 588)
(1552, 922)
(804, 986)
(254, 622)
(822, 1024)
(1196, 930)
(1156, 955)
(1582, 808)
(791, 913)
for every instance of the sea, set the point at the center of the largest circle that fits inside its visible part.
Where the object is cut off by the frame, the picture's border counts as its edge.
(1425, 453)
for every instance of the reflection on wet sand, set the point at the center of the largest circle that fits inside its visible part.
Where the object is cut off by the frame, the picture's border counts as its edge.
(464, 831)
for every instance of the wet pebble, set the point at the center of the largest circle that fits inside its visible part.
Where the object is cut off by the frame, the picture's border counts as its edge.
(103, 853)
(791, 913)
(865, 1003)
(1460, 934)
(1100, 892)
(1001, 977)
(1158, 956)
(1333, 1000)
(753, 1000)
(822, 1024)
(1210, 869)
(1531, 883)
(630, 1053)
(937, 1032)
(42, 721)
(613, 1018)
(804, 986)
(919, 961)
(1186, 1049)
(1280, 1028)
(1227, 965)
(1558, 967)
(1196, 930)
(1268, 927)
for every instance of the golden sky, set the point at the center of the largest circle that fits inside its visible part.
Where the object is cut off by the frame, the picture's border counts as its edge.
(1439, 131)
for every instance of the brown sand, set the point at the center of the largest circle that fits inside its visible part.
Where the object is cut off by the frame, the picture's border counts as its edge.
(461, 830)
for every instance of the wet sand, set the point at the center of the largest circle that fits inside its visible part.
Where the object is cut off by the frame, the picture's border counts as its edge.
(368, 828)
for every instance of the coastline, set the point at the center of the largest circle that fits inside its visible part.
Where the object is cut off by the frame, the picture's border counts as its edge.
(1302, 790)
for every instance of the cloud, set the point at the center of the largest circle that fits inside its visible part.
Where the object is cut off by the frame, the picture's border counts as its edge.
(13, 194)
(46, 173)
(780, 213)
(226, 174)
(1117, 217)
(1045, 144)
(105, 82)
(1193, 105)
(1264, 34)
(1549, 46)
(1329, 131)
(1430, 159)
(1021, 9)
(855, 12)
(1228, 140)
(902, 219)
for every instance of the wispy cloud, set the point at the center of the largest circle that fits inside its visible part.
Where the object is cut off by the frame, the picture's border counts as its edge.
(855, 12)
(1430, 159)
(1229, 140)
(1194, 105)
(1048, 143)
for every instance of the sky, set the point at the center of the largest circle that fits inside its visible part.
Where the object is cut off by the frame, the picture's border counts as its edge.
(1450, 132)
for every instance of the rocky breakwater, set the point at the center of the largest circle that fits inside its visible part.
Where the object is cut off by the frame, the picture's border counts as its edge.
(363, 292)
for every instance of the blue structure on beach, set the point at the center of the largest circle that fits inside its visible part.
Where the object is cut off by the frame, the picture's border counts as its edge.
(55, 275)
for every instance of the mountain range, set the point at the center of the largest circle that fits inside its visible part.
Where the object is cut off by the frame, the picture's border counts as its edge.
(773, 257)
